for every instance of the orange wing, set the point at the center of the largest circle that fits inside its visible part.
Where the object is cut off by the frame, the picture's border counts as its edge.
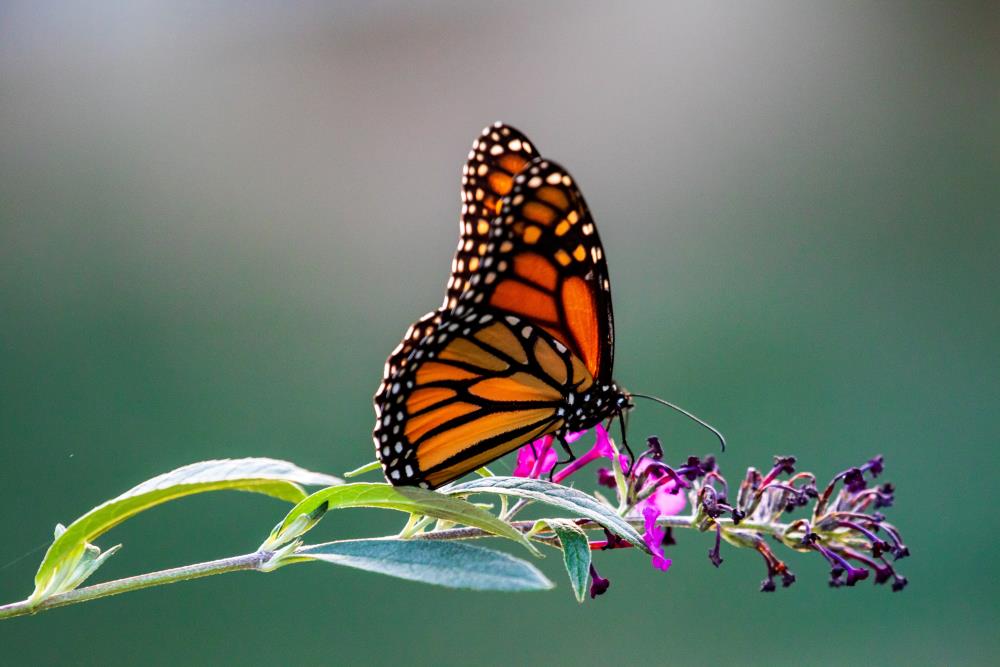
(497, 155)
(545, 262)
(400, 357)
(479, 384)
(526, 325)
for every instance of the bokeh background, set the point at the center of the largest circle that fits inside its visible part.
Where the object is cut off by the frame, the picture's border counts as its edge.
(217, 219)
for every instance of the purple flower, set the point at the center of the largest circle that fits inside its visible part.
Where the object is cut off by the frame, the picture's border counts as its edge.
(606, 477)
(839, 567)
(598, 584)
(527, 465)
(664, 499)
(602, 449)
(667, 498)
(653, 537)
(539, 457)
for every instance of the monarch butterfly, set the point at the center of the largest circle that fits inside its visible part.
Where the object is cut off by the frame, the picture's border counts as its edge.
(523, 344)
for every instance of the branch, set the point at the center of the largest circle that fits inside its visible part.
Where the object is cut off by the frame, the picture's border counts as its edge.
(844, 527)
(257, 561)
(252, 561)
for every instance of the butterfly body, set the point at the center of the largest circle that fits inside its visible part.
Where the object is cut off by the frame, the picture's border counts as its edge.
(523, 344)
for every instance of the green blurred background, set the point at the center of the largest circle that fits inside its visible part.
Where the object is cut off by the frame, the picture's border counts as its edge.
(217, 220)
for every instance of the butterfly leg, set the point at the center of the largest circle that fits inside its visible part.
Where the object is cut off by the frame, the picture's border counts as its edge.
(534, 451)
(569, 454)
(631, 455)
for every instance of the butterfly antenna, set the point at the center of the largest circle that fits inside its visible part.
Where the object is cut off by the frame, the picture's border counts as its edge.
(718, 434)
(25, 555)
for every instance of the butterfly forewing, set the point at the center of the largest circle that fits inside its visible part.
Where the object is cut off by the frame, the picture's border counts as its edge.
(400, 357)
(545, 263)
(497, 156)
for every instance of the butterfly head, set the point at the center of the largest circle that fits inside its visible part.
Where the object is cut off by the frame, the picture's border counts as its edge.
(621, 399)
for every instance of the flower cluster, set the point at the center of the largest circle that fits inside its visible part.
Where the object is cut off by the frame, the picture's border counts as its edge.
(845, 525)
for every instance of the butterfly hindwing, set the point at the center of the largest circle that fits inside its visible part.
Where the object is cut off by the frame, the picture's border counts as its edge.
(497, 156)
(545, 263)
(400, 356)
(479, 385)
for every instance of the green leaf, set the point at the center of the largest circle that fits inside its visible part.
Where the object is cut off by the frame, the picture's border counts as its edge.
(556, 495)
(576, 554)
(451, 564)
(368, 467)
(60, 571)
(92, 559)
(411, 499)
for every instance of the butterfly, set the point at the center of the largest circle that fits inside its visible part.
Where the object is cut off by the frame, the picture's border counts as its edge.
(523, 344)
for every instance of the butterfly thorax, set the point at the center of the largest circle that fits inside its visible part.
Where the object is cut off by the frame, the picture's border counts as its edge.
(584, 410)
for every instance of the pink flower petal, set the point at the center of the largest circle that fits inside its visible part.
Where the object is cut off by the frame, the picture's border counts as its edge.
(654, 537)
(528, 466)
(525, 462)
(666, 503)
(603, 443)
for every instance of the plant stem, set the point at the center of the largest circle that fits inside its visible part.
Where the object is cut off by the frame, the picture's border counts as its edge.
(664, 521)
(256, 561)
(245, 562)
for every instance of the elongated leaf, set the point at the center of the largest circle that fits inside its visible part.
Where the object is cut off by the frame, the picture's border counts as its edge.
(556, 495)
(272, 477)
(411, 499)
(361, 470)
(576, 554)
(451, 564)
